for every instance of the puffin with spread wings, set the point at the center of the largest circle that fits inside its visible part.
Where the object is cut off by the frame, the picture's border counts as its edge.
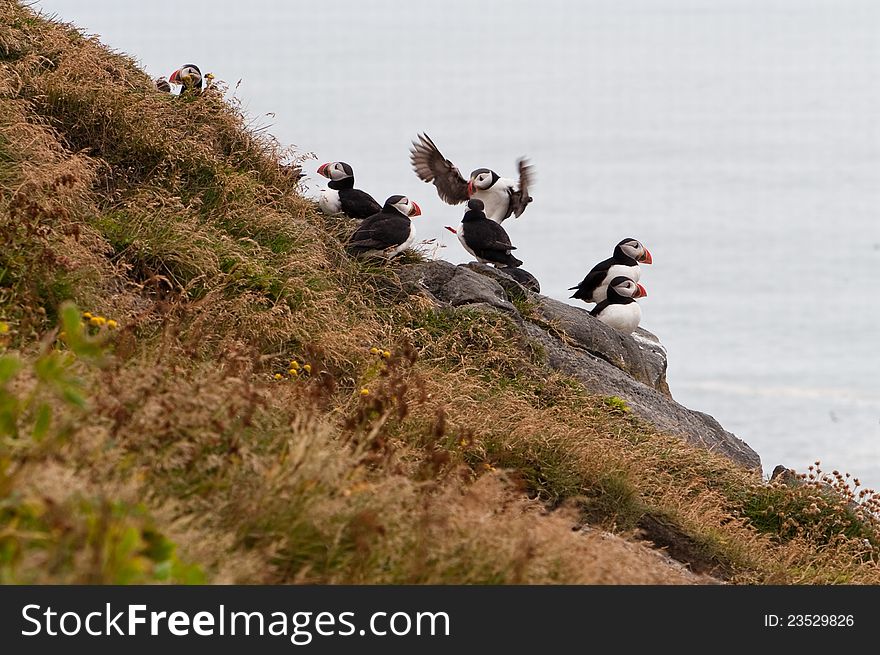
(501, 197)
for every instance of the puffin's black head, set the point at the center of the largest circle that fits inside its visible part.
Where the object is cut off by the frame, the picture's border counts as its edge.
(336, 171)
(188, 75)
(481, 179)
(402, 205)
(623, 287)
(629, 249)
(474, 211)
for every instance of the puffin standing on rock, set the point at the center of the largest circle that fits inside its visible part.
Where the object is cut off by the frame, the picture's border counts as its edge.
(340, 194)
(624, 262)
(619, 309)
(501, 196)
(485, 239)
(387, 233)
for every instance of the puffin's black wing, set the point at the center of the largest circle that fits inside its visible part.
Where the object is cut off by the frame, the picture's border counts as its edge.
(488, 235)
(593, 279)
(490, 241)
(520, 198)
(358, 204)
(431, 166)
(379, 232)
(599, 307)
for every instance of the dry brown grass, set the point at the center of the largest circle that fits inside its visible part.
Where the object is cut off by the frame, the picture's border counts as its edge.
(467, 460)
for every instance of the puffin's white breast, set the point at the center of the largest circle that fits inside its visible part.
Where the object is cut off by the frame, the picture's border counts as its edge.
(328, 201)
(625, 318)
(496, 199)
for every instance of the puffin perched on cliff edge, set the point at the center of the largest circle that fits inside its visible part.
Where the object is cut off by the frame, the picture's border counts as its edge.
(387, 233)
(619, 309)
(623, 262)
(501, 196)
(485, 239)
(340, 194)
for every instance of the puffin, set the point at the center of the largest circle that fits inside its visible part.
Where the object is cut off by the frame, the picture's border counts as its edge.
(502, 197)
(388, 232)
(189, 76)
(485, 239)
(620, 309)
(628, 254)
(162, 85)
(340, 194)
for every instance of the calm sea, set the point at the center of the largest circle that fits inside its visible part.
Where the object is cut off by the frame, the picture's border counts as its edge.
(738, 139)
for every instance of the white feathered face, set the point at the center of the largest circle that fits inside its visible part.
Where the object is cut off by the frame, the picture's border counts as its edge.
(627, 288)
(187, 75)
(481, 179)
(634, 249)
(336, 170)
(406, 206)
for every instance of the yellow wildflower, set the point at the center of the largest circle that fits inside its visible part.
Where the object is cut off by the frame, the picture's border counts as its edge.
(278, 376)
(307, 368)
(374, 350)
(294, 364)
(95, 320)
(4, 327)
(293, 372)
(112, 324)
(365, 392)
(87, 315)
(386, 354)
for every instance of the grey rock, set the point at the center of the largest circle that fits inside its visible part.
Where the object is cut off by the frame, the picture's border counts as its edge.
(456, 285)
(605, 361)
(602, 378)
(640, 355)
(511, 286)
(786, 476)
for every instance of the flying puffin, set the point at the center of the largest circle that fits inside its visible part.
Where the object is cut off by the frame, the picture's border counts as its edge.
(484, 239)
(625, 261)
(340, 194)
(388, 232)
(190, 78)
(501, 196)
(620, 309)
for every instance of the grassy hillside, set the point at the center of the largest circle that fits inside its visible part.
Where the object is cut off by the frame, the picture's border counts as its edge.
(197, 384)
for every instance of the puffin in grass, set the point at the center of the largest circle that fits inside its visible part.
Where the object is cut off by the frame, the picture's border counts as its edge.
(501, 197)
(190, 79)
(625, 260)
(485, 239)
(340, 196)
(387, 233)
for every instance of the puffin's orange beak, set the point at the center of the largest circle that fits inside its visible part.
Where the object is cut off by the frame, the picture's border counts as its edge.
(175, 77)
(416, 210)
(641, 293)
(452, 229)
(322, 169)
(647, 259)
(470, 188)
